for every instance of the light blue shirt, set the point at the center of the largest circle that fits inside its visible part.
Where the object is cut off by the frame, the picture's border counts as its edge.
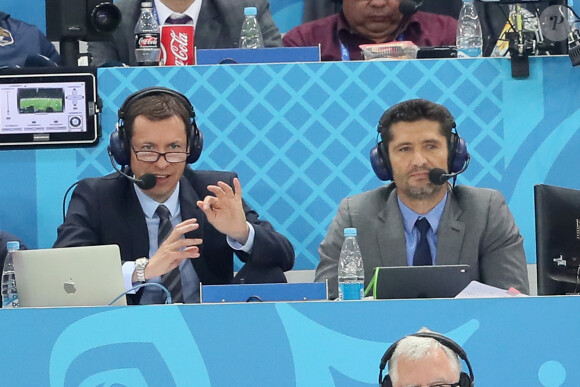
(189, 279)
(412, 233)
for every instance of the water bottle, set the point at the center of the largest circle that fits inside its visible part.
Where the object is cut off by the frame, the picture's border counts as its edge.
(251, 35)
(469, 39)
(147, 37)
(351, 276)
(9, 291)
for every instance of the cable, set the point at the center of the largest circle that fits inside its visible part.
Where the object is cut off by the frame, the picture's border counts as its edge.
(64, 200)
(135, 288)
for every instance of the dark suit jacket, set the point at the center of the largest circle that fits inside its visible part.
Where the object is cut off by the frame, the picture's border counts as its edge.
(218, 26)
(106, 210)
(476, 228)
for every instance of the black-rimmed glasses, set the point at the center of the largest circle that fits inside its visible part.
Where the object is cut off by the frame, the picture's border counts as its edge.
(153, 156)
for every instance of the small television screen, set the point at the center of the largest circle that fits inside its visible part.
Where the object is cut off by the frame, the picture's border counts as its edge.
(40, 100)
(557, 239)
(48, 109)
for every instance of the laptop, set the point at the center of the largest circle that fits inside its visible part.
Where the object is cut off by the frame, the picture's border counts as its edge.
(439, 281)
(69, 276)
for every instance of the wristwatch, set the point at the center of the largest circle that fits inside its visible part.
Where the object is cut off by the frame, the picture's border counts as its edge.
(140, 265)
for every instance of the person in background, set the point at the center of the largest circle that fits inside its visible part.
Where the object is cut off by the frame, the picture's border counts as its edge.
(20, 41)
(368, 22)
(185, 225)
(414, 221)
(425, 358)
(217, 25)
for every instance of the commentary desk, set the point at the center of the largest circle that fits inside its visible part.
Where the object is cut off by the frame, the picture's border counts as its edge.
(509, 341)
(299, 136)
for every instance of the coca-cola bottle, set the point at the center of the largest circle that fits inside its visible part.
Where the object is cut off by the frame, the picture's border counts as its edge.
(147, 37)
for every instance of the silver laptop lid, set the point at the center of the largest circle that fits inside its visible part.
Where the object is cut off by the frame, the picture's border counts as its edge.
(69, 276)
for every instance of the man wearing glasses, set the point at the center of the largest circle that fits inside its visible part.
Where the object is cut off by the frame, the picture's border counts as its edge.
(184, 227)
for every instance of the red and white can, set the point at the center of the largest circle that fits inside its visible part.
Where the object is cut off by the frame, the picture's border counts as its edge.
(177, 45)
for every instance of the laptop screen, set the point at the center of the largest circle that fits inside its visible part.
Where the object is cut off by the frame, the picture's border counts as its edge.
(439, 281)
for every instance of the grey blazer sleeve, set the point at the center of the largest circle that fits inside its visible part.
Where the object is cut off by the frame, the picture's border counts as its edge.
(502, 260)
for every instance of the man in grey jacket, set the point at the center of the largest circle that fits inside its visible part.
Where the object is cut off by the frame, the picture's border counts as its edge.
(464, 225)
(217, 25)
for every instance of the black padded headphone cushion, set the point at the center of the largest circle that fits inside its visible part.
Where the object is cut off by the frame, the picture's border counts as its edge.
(465, 380)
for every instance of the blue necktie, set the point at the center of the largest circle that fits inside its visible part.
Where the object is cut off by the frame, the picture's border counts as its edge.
(422, 252)
(171, 280)
(182, 19)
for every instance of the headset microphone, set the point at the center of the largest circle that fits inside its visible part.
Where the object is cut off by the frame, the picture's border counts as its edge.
(438, 176)
(408, 7)
(147, 181)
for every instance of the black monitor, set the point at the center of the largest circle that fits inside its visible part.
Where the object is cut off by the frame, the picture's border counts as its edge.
(557, 239)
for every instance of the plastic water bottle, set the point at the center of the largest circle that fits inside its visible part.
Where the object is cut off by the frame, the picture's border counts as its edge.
(147, 37)
(469, 39)
(9, 290)
(351, 276)
(251, 35)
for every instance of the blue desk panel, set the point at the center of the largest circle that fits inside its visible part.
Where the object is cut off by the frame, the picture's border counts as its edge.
(510, 342)
(299, 136)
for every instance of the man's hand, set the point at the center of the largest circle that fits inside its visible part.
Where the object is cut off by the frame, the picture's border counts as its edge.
(173, 250)
(225, 211)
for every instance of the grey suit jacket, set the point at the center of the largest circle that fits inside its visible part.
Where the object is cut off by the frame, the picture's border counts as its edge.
(476, 228)
(218, 26)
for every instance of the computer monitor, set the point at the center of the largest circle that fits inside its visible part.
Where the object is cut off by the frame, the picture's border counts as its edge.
(557, 212)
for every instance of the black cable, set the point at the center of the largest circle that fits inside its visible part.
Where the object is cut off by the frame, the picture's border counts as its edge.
(64, 200)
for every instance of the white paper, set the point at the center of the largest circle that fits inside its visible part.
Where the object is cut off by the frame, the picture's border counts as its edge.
(476, 289)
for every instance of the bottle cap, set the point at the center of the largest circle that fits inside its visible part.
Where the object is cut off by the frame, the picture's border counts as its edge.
(349, 231)
(250, 11)
(146, 4)
(13, 245)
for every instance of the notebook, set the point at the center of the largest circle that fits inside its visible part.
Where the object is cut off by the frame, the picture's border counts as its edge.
(439, 281)
(69, 276)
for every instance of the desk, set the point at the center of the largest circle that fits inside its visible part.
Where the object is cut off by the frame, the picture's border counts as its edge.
(510, 342)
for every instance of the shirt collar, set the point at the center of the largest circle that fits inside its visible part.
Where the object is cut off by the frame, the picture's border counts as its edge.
(433, 216)
(163, 11)
(149, 205)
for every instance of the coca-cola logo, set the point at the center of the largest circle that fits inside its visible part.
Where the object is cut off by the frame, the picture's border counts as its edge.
(148, 41)
(179, 47)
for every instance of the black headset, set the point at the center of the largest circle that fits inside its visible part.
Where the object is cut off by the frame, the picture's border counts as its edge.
(379, 155)
(465, 380)
(119, 143)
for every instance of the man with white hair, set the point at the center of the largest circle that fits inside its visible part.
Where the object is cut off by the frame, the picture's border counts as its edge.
(425, 358)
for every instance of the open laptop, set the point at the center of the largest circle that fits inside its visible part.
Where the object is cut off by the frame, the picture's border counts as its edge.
(439, 281)
(69, 276)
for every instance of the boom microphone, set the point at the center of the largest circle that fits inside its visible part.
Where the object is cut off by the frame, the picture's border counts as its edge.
(439, 176)
(147, 181)
(408, 7)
